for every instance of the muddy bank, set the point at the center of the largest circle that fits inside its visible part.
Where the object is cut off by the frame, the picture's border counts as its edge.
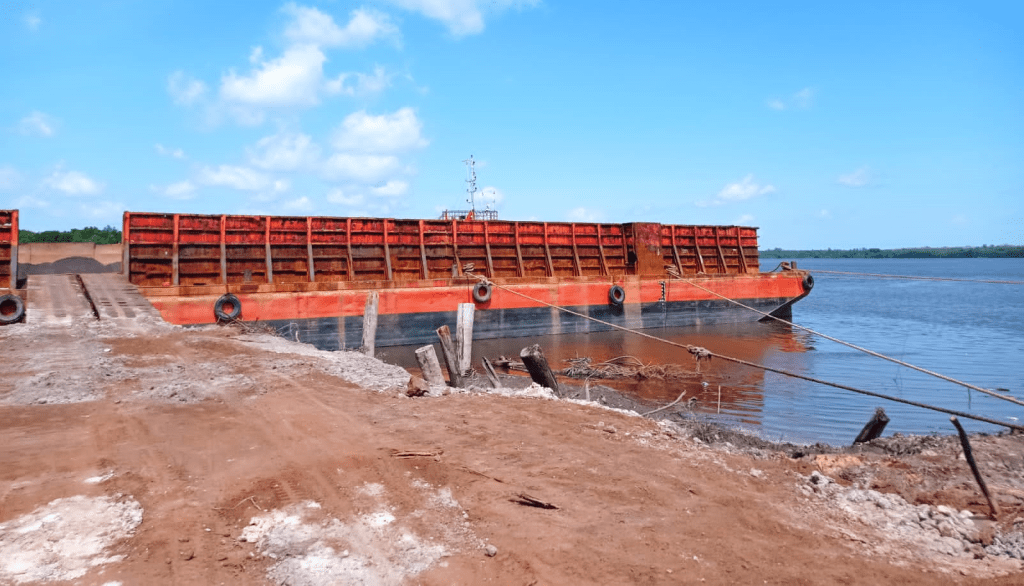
(254, 460)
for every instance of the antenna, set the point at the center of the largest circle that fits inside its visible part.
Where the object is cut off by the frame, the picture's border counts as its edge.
(470, 163)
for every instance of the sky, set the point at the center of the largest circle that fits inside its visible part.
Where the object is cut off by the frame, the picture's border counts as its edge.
(825, 124)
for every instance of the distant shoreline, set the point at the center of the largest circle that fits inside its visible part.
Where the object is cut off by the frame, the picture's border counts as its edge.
(1001, 251)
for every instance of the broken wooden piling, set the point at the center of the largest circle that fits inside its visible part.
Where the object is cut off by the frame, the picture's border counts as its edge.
(537, 365)
(464, 337)
(450, 360)
(370, 323)
(429, 366)
(873, 428)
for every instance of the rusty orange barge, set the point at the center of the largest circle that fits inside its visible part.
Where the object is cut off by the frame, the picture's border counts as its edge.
(313, 274)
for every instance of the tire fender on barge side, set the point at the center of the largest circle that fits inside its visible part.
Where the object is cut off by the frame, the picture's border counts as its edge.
(616, 295)
(482, 292)
(12, 309)
(227, 308)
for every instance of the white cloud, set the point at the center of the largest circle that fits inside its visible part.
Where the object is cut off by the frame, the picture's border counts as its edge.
(359, 167)
(292, 80)
(462, 17)
(858, 178)
(744, 220)
(32, 21)
(301, 204)
(185, 90)
(241, 178)
(168, 152)
(380, 134)
(10, 178)
(364, 83)
(825, 214)
(744, 190)
(30, 201)
(284, 152)
(73, 183)
(38, 124)
(392, 188)
(180, 190)
(802, 99)
(582, 214)
(337, 196)
(109, 211)
(309, 25)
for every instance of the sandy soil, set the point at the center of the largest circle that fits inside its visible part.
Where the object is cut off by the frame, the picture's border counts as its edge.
(253, 460)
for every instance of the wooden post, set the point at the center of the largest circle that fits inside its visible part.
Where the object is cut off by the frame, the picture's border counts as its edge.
(535, 362)
(491, 375)
(431, 368)
(992, 506)
(370, 323)
(464, 337)
(874, 428)
(450, 360)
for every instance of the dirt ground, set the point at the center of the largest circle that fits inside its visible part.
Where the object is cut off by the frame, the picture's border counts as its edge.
(214, 456)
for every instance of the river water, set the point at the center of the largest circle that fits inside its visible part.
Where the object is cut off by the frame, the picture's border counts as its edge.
(969, 331)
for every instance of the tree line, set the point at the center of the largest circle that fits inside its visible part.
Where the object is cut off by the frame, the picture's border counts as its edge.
(108, 235)
(985, 251)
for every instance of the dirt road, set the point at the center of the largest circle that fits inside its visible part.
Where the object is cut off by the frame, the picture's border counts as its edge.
(254, 461)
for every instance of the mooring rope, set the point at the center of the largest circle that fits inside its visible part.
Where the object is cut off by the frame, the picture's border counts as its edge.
(699, 353)
(917, 278)
(865, 350)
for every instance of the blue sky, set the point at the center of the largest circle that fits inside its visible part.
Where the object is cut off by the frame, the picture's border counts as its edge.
(826, 124)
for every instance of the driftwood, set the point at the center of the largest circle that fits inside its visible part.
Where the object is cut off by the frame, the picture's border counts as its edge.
(873, 428)
(615, 368)
(450, 360)
(522, 498)
(966, 444)
(537, 365)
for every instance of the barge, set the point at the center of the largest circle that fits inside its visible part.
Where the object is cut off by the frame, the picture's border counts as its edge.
(310, 276)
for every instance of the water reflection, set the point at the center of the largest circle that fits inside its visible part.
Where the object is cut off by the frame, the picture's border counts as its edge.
(736, 392)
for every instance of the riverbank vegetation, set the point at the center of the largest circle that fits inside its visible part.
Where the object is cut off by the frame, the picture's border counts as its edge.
(985, 251)
(108, 235)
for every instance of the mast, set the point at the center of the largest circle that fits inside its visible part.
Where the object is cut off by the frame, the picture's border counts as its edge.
(471, 188)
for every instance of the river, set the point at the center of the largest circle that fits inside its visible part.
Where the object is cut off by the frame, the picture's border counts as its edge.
(969, 331)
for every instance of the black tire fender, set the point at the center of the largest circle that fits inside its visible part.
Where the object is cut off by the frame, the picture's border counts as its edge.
(482, 292)
(808, 282)
(617, 295)
(227, 307)
(12, 309)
